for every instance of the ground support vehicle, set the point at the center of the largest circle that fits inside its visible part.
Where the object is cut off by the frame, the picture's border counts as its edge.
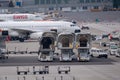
(24, 70)
(65, 43)
(113, 48)
(40, 70)
(3, 54)
(64, 69)
(3, 51)
(47, 46)
(95, 52)
(83, 46)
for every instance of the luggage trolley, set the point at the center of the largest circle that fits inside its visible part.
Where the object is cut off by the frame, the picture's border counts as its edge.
(47, 46)
(83, 46)
(65, 43)
(41, 69)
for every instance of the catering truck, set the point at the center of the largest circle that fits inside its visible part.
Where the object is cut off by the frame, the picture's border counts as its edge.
(65, 43)
(83, 46)
(47, 46)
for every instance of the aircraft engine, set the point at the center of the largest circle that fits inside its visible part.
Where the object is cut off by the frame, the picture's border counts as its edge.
(36, 35)
(4, 32)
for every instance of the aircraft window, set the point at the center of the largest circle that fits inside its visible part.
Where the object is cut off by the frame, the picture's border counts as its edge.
(37, 16)
(72, 25)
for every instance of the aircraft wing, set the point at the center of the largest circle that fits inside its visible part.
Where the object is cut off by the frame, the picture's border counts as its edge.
(32, 33)
(25, 30)
(22, 30)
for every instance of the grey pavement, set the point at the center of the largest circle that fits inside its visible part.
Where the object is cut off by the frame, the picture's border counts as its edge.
(80, 72)
(96, 69)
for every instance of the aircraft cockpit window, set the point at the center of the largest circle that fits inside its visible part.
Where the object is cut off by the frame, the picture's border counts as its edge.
(77, 31)
(72, 25)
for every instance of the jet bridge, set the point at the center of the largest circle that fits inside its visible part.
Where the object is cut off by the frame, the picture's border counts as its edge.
(47, 46)
(83, 45)
(65, 44)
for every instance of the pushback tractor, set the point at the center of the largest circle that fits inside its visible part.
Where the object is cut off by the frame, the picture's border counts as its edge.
(47, 46)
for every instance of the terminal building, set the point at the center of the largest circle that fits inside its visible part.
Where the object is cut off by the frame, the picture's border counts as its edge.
(52, 5)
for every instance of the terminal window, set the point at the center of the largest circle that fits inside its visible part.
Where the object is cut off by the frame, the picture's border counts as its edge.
(47, 1)
(98, 0)
(85, 7)
(96, 7)
(73, 8)
(59, 1)
(37, 1)
(92, 1)
(51, 8)
(53, 1)
(42, 1)
(87, 1)
(66, 1)
(81, 1)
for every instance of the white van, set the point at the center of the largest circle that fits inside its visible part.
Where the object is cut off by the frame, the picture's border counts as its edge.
(95, 52)
(113, 48)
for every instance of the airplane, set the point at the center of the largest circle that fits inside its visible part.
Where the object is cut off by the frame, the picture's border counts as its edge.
(35, 29)
(21, 17)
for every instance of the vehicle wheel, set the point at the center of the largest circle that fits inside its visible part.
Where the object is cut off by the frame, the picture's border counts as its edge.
(106, 57)
(44, 72)
(34, 73)
(59, 72)
(47, 72)
(117, 56)
(92, 56)
(66, 72)
(18, 73)
(7, 57)
(21, 40)
(40, 72)
(25, 73)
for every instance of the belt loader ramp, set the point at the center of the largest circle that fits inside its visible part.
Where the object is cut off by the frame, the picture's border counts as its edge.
(66, 45)
(47, 46)
(83, 45)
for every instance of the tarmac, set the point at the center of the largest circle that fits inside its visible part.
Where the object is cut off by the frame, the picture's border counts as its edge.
(78, 72)
(96, 69)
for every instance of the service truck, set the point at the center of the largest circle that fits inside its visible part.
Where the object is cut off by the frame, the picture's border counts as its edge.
(83, 46)
(47, 46)
(65, 45)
